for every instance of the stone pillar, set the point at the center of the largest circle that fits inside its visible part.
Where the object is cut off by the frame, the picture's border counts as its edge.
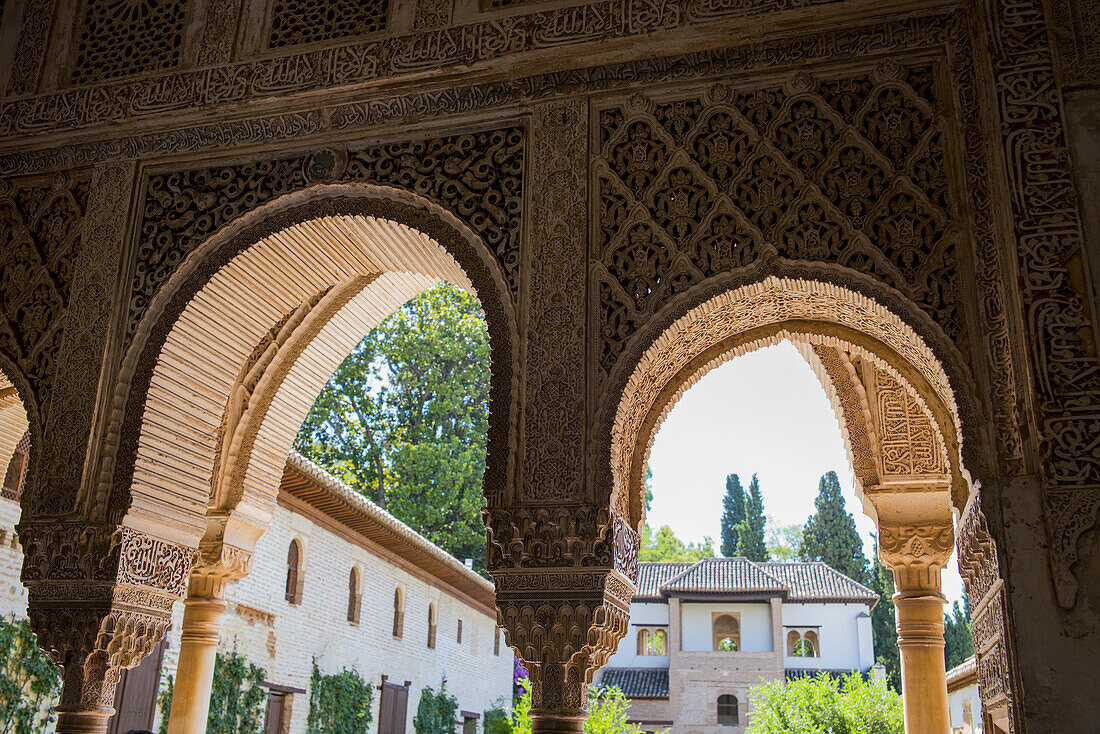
(564, 580)
(916, 552)
(204, 609)
(99, 599)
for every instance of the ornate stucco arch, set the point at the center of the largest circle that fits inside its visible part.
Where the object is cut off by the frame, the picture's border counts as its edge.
(743, 319)
(14, 420)
(276, 300)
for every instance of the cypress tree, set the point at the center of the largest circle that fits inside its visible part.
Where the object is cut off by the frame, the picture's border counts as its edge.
(958, 634)
(733, 505)
(750, 531)
(830, 533)
(884, 630)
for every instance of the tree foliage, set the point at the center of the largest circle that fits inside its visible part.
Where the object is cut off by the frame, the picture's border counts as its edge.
(665, 546)
(825, 705)
(784, 542)
(884, 630)
(750, 531)
(29, 682)
(437, 712)
(339, 703)
(958, 633)
(404, 418)
(733, 513)
(237, 700)
(830, 533)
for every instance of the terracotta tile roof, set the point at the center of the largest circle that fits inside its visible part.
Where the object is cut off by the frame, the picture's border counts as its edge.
(812, 581)
(652, 576)
(311, 485)
(638, 682)
(962, 674)
(724, 576)
(816, 581)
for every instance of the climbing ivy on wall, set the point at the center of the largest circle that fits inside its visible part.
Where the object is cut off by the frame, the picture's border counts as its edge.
(437, 712)
(29, 682)
(237, 700)
(339, 703)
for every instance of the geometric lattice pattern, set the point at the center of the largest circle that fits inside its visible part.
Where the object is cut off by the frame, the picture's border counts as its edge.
(848, 170)
(295, 22)
(122, 37)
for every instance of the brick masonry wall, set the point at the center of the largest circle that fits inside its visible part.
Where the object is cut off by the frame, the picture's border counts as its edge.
(283, 638)
(13, 597)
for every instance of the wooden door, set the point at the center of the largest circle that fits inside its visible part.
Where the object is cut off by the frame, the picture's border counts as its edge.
(136, 694)
(393, 709)
(276, 709)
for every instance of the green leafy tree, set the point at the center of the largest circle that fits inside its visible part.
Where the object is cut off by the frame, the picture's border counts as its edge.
(750, 531)
(437, 712)
(784, 542)
(830, 533)
(237, 700)
(404, 418)
(733, 513)
(884, 631)
(825, 705)
(339, 703)
(665, 546)
(958, 633)
(647, 482)
(29, 682)
(164, 703)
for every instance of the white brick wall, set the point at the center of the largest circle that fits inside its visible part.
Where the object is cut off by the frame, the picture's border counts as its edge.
(318, 627)
(13, 597)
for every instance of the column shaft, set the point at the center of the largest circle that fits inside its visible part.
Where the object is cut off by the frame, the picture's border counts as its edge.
(923, 675)
(204, 609)
(557, 722)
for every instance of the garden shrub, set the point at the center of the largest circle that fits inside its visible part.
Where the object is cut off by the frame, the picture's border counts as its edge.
(29, 682)
(825, 705)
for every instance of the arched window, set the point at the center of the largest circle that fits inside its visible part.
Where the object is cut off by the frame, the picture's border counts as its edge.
(643, 642)
(659, 643)
(810, 647)
(431, 626)
(793, 638)
(727, 710)
(398, 613)
(295, 577)
(355, 596)
(727, 632)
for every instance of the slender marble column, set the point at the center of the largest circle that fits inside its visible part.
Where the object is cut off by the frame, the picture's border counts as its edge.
(916, 553)
(203, 611)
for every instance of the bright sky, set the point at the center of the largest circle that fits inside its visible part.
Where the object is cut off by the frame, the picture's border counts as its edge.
(763, 413)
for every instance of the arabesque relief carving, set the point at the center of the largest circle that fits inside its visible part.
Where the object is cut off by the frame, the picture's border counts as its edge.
(847, 170)
(979, 566)
(40, 226)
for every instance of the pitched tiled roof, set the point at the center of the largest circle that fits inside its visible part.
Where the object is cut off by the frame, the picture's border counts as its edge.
(652, 576)
(812, 581)
(724, 576)
(817, 581)
(638, 682)
(962, 674)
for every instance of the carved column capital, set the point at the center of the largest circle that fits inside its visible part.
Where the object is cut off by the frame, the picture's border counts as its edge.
(565, 578)
(916, 552)
(99, 599)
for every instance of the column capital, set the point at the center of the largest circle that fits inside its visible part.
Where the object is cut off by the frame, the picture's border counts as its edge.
(916, 552)
(99, 599)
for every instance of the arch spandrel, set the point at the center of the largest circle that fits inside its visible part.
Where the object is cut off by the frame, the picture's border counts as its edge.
(755, 315)
(14, 421)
